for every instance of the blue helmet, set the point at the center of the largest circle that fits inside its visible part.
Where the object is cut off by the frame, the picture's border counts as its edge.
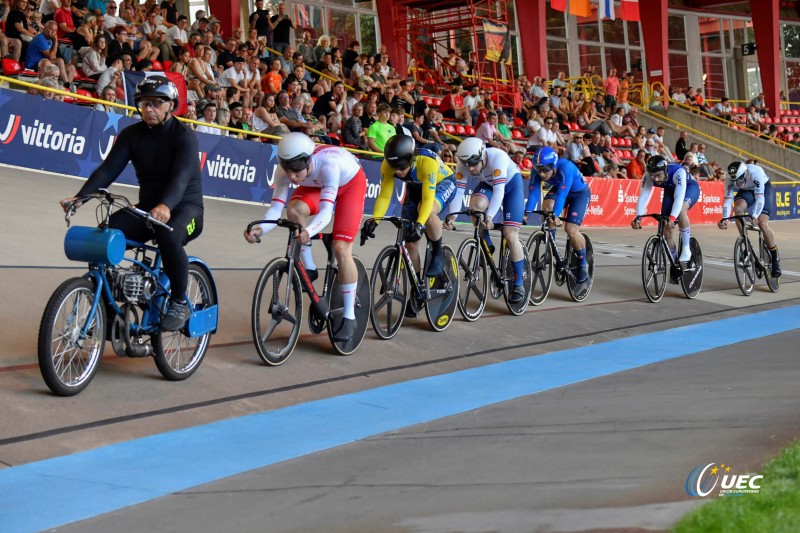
(545, 159)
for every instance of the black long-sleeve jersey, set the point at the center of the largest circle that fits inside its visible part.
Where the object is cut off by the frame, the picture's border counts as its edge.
(165, 158)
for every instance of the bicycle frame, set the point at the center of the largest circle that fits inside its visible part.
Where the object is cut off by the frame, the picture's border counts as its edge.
(744, 227)
(560, 263)
(662, 223)
(496, 270)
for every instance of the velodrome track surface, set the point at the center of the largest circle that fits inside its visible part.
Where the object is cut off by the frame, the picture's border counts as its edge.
(572, 417)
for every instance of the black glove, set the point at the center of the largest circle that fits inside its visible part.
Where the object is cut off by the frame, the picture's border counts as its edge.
(415, 232)
(368, 230)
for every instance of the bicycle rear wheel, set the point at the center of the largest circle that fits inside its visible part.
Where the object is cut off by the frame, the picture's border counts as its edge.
(692, 278)
(277, 312)
(177, 355)
(774, 284)
(473, 280)
(389, 291)
(444, 293)
(654, 269)
(744, 266)
(509, 275)
(574, 267)
(541, 259)
(68, 362)
(362, 311)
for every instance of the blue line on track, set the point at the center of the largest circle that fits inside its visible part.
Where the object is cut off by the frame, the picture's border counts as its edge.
(66, 489)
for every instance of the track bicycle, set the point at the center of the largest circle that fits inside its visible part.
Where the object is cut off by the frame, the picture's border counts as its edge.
(389, 285)
(547, 263)
(479, 275)
(277, 310)
(657, 255)
(747, 264)
(123, 304)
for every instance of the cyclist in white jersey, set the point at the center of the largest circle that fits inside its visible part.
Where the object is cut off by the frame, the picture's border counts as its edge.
(323, 177)
(753, 192)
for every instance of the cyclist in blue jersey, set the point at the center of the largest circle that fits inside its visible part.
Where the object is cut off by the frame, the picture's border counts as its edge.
(500, 186)
(681, 192)
(567, 189)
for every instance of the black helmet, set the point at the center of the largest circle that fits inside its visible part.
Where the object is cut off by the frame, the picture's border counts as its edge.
(158, 87)
(657, 164)
(399, 151)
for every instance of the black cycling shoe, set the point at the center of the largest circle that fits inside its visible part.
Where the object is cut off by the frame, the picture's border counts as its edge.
(436, 267)
(347, 331)
(177, 315)
(312, 274)
(409, 312)
(776, 270)
(517, 295)
(674, 275)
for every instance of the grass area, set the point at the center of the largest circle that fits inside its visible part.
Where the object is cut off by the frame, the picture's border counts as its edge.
(776, 507)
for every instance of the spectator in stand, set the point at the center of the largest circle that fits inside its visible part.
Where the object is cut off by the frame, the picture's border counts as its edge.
(181, 65)
(207, 111)
(638, 142)
(548, 134)
(272, 81)
(43, 51)
(754, 120)
(561, 80)
(109, 94)
(47, 8)
(396, 120)
(473, 102)
(588, 120)
(707, 168)
(452, 106)
(617, 127)
(265, 118)
(66, 27)
(625, 85)
(93, 58)
(678, 96)
(306, 48)
(176, 34)
(661, 146)
(281, 25)
(314, 128)
(259, 19)
(390, 97)
(200, 72)
(650, 147)
(217, 42)
(235, 77)
(350, 57)
(156, 33)
(600, 107)
(330, 108)
(723, 110)
(380, 131)
(502, 126)
(415, 128)
(287, 61)
(18, 31)
(287, 115)
(611, 88)
(323, 47)
(370, 115)
(489, 134)
(629, 119)
(759, 104)
(637, 165)
(578, 152)
(680, 145)
(537, 91)
(235, 120)
(353, 131)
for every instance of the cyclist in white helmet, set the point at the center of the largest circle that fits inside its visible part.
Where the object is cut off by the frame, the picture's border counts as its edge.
(324, 176)
(753, 192)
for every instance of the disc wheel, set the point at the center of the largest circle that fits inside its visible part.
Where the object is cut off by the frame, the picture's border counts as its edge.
(473, 280)
(575, 266)
(692, 278)
(509, 276)
(444, 293)
(654, 269)
(774, 284)
(389, 292)
(541, 267)
(362, 311)
(277, 312)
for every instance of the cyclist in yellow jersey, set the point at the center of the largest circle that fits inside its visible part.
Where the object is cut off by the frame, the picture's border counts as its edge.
(430, 184)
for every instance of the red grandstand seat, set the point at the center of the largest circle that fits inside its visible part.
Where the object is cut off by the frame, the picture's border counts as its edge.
(429, 100)
(516, 134)
(518, 122)
(167, 65)
(436, 102)
(627, 142)
(460, 130)
(335, 136)
(767, 120)
(615, 141)
(628, 154)
(157, 66)
(781, 129)
(11, 67)
(85, 92)
(527, 164)
(796, 112)
(470, 130)
(620, 153)
(741, 110)
(449, 128)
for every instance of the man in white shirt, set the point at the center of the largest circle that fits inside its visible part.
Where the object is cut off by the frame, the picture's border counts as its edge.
(176, 34)
(235, 76)
(209, 116)
(473, 102)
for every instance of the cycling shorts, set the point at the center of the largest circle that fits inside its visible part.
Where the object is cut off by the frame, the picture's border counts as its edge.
(513, 200)
(691, 197)
(576, 204)
(749, 196)
(349, 206)
(445, 190)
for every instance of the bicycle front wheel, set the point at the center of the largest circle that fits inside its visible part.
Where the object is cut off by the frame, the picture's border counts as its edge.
(774, 284)
(277, 312)
(68, 360)
(654, 269)
(389, 289)
(473, 280)
(177, 355)
(541, 267)
(744, 266)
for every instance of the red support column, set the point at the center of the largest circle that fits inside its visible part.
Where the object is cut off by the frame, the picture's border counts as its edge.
(766, 27)
(227, 12)
(532, 19)
(653, 14)
(386, 19)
